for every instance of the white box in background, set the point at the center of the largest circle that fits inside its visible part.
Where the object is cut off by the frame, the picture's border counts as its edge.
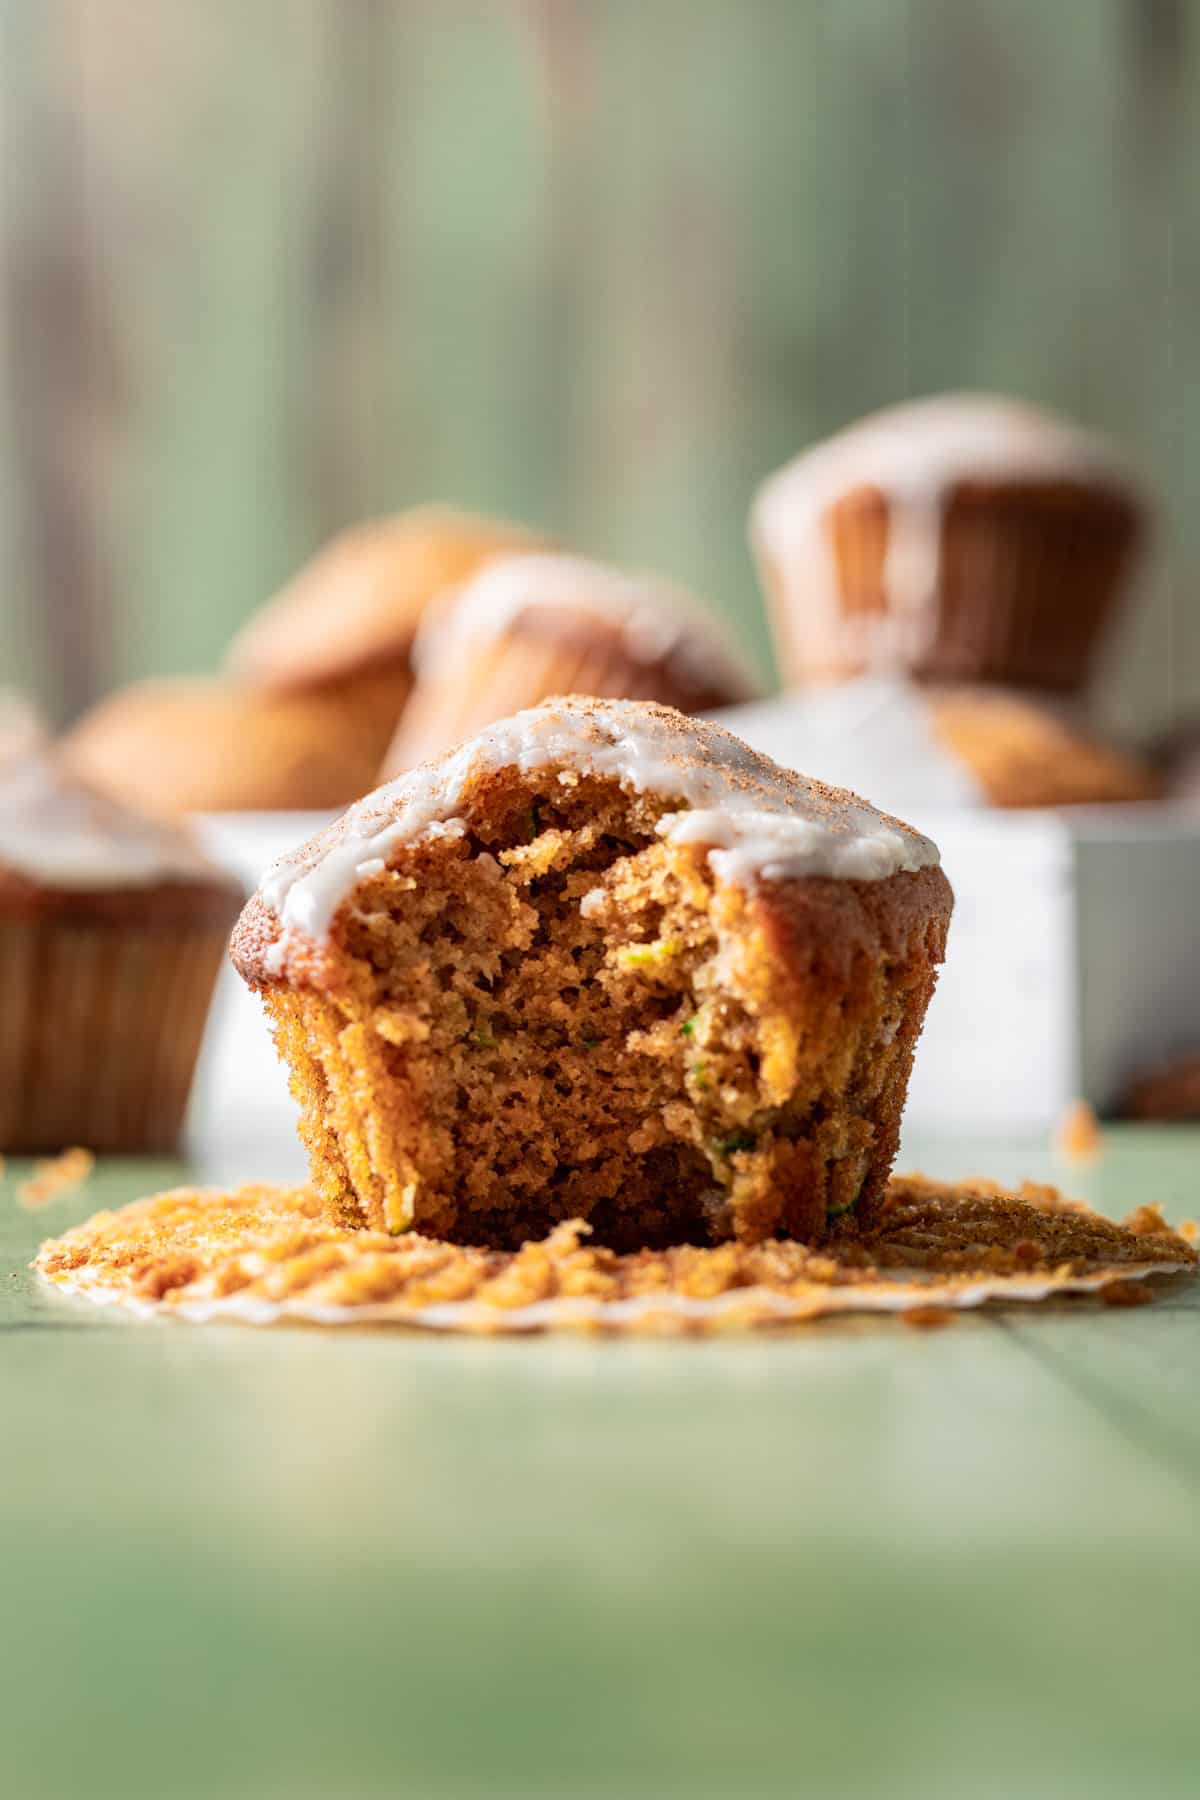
(242, 1120)
(1073, 963)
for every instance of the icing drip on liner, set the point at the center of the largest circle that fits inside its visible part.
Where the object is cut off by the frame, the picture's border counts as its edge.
(758, 820)
(658, 620)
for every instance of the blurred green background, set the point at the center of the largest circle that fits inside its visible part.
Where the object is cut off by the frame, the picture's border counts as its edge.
(267, 266)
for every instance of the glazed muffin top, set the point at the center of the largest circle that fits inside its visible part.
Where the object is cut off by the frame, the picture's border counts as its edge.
(757, 821)
(916, 454)
(652, 620)
(62, 839)
(360, 599)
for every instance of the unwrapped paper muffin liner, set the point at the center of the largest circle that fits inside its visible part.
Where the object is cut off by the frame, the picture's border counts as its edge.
(264, 1255)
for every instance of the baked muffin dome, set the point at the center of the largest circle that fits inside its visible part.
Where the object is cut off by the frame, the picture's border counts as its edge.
(207, 745)
(358, 602)
(602, 962)
(924, 748)
(112, 931)
(959, 538)
(541, 623)
(1023, 753)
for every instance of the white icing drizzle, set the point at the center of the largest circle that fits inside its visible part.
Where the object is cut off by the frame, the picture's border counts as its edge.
(757, 819)
(914, 455)
(63, 834)
(658, 621)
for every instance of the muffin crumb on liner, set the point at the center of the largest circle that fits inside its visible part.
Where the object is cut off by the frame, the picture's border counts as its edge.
(264, 1255)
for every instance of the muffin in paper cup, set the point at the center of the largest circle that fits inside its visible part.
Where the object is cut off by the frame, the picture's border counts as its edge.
(602, 962)
(112, 931)
(531, 626)
(960, 538)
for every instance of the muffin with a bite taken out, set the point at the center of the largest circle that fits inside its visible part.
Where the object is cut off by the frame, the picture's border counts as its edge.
(602, 962)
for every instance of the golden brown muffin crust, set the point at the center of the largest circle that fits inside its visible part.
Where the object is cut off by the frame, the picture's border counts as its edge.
(360, 599)
(198, 745)
(1024, 754)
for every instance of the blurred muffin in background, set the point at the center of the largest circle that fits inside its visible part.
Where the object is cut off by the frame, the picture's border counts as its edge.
(1177, 756)
(959, 538)
(1167, 1094)
(316, 682)
(923, 749)
(535, 625)
(112, 931)
(21, 728)
(347, 620)
(207, 745)
(1024, 753)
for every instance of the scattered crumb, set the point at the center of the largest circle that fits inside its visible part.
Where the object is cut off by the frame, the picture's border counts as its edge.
(1126, 1293)
(927, 1318)
(1146, 1220)
(56, 1176)
(1189, 1230)
(1077, 1137)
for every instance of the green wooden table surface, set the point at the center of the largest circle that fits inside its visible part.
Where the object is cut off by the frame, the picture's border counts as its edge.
(858, 1560)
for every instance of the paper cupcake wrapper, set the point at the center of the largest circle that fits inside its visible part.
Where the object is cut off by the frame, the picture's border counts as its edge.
(265, 1256)
(100, 1030)
(1017, 598)
(743, 1309)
